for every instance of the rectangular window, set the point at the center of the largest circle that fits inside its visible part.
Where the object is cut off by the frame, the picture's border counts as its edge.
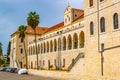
(55, 62)
(101, 0)
(63, 63)
(21, 40)
(91, 3)
(21, 50)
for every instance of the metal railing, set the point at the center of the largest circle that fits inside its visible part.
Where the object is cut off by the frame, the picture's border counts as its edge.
(80, 55)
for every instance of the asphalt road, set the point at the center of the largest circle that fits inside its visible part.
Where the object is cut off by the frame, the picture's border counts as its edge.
(15, 76)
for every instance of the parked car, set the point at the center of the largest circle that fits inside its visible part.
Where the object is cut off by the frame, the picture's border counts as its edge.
(3, 69)
(8, 69)
(16, 71)
(13, 70)
(23, 71)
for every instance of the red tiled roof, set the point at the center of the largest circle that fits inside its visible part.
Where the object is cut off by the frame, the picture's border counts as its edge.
(39, 30)
(55, 26)
(78, 9)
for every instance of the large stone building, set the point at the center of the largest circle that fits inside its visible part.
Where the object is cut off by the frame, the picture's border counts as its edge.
(86, 42)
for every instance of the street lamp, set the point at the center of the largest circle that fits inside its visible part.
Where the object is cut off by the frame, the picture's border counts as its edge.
(102, 58)
(59, 49)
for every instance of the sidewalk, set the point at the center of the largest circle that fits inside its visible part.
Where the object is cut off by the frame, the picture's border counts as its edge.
(67, 75)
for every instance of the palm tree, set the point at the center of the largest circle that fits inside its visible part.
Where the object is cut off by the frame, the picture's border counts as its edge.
(33, 21)
(22, 29)
(1, 49)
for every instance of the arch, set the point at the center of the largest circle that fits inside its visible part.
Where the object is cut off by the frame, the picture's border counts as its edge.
(44, 47)
(82, 39)
(47, 46)
(91, 28)
(51, 46)
(38, 48)
(102, 24)
(59, 44)
(115, 21)
(41, 48)
(33, 50)
(64, 43)
(69, 39)
(75, 41)
(55, 45)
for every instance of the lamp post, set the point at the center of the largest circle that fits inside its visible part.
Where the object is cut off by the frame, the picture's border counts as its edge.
(102, 59)
(59, 49)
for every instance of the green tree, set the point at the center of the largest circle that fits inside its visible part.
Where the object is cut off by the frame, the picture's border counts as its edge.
(22, 33)
(33, 21)
(1, 49)
(8, 52)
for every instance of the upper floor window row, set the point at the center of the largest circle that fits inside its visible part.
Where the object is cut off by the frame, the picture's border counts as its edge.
(103, 24)
(91, 2)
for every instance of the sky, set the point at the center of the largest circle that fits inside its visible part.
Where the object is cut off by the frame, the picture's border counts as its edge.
(14, 13)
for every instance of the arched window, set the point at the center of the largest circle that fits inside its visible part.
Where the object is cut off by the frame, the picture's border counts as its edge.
(41, 48)
(38, 49)
(63, 63)
(55, 45)
(75, 40)
(102, 24)
(69, 42)
(51, 46)
(59, 44)
(47, 46)
(82, 39)
(91, 28)
(91, 2)
(21, 50)
(64, 43)
(115, 21)
(44, 47)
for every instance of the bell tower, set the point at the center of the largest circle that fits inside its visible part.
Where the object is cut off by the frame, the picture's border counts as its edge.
(71, 14)
(68, 15)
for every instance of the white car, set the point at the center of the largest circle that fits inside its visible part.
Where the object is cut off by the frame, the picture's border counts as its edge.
(23, 71)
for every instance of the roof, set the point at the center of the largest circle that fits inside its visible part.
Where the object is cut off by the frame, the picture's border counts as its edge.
(78, 9)
(29, 30)
(39, 30)
(56, 26)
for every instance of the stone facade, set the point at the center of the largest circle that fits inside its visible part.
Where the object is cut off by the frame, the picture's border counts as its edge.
(61, 46)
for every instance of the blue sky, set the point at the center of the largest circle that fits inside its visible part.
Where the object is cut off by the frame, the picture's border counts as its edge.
(14, 13)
